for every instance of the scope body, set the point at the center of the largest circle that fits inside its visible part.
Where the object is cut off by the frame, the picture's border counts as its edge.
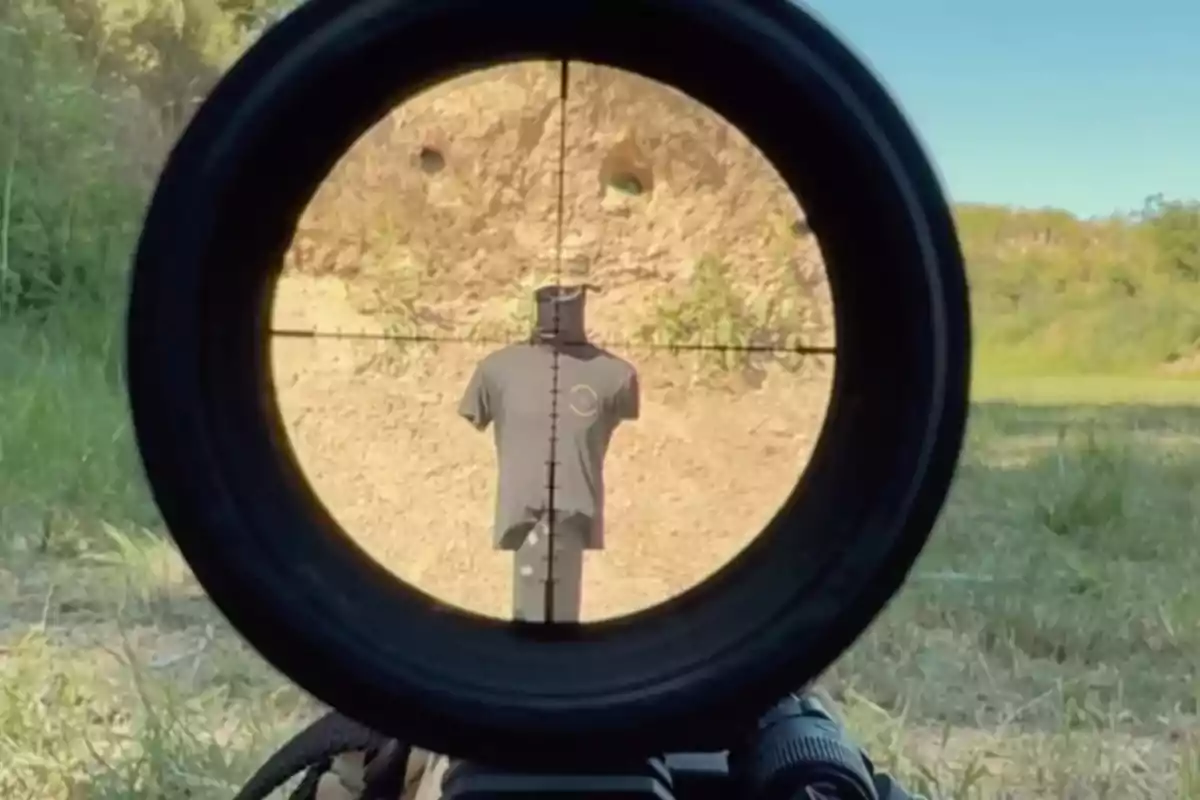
(677, 776)
(798, 750)
(686, 776)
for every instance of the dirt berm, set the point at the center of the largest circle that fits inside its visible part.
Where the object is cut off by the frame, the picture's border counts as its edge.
(441, 221)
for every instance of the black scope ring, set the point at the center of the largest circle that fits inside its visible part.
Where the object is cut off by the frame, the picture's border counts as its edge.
(672, 677)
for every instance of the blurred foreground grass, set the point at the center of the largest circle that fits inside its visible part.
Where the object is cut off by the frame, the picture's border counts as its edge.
(1047, 645)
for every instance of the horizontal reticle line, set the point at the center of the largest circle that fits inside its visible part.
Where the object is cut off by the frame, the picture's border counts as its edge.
(382, 336)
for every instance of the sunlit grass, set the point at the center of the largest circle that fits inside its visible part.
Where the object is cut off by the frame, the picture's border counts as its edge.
(117, 680)
(1084, 389)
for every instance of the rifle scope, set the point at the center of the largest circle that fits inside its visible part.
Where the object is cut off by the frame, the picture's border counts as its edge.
(677, 676)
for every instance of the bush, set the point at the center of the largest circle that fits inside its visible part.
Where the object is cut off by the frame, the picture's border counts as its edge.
(71, 199)
(734, 330)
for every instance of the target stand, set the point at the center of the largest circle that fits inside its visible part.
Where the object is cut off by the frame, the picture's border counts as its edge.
(548, 570)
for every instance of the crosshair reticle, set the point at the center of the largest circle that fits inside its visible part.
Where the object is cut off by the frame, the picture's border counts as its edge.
(604, 275)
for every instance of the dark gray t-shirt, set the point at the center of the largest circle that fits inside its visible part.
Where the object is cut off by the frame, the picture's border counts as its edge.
(513, 390)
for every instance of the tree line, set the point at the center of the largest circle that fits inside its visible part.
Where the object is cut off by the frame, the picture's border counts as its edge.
(1053, 290)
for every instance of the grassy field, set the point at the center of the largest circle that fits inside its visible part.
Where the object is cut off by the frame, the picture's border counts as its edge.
(1049, 637)
(1046, 646)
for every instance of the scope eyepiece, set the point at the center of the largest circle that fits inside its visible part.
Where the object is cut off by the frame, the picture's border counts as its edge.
(799, 744)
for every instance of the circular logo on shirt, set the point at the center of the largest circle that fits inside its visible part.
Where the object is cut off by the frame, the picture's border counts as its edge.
(583, 400)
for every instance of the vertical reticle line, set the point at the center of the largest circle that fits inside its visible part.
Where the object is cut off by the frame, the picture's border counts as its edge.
(552, 465)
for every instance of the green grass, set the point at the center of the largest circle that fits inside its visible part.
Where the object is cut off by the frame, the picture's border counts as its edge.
(118, 680)
(1049, 633)
(66, 455)
(1088, 389)
(1046, 645)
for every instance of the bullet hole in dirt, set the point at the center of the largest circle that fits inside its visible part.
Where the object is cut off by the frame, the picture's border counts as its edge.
(626, 169)
(430, 160)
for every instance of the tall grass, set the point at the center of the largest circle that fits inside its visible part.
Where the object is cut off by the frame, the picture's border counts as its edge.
(70, 205)
(118, 681)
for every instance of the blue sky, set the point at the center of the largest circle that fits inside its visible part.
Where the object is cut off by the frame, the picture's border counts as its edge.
(1088, 105)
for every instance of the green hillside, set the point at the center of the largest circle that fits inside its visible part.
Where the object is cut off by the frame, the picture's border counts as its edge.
(1056, 293)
